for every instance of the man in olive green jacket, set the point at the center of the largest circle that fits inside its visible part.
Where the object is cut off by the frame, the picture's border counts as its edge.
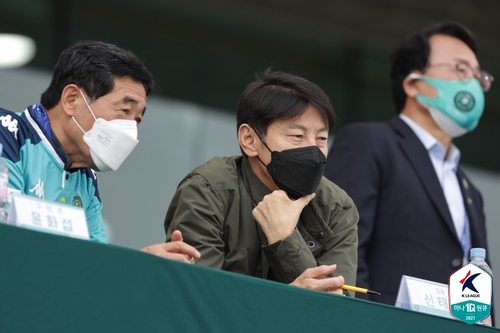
(270, 213)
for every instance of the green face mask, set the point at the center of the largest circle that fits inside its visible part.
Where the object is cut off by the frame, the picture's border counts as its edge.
(458, 106)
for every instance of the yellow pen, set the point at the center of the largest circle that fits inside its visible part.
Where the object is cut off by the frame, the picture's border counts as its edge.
(359, 290)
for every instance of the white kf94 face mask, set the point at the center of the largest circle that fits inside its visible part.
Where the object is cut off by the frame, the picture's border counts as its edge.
(110, 142)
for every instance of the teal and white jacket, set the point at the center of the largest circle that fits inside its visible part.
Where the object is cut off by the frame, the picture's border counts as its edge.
(39, 167)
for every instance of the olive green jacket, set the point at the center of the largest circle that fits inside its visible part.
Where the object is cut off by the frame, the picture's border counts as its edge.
(213, 205)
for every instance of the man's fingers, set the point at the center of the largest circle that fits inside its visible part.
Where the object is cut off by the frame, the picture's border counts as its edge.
(303, 201)
(178, 257)
(315, 279)
(330, 284)
(177, 245)
(181, 247)
(333, 284)
(320, 271)
(176, 236)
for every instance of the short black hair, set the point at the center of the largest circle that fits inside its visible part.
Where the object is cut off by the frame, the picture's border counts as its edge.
(277, 95)
(93, 65)
(413, 54)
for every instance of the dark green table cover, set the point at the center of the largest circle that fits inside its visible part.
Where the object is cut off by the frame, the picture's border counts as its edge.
(51, 284)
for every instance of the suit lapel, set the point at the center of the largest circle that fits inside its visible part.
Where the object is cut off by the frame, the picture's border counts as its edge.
(418, 157)
(471, 207)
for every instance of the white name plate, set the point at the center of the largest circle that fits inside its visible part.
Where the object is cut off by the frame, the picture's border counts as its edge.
(423, 296)
(47, 216)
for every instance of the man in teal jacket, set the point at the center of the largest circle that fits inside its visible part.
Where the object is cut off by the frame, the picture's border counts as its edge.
(87, 120)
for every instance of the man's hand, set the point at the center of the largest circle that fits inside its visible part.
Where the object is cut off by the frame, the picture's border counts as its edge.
(277, 214)
(315, 279)
(176, 249)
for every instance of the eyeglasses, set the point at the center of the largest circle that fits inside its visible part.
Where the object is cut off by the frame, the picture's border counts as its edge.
(465, 72)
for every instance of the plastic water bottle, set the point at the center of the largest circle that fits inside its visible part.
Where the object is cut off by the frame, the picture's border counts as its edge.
(477, 256)
(4, 183)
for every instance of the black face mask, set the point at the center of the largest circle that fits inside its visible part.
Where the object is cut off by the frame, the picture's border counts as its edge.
(297, 171)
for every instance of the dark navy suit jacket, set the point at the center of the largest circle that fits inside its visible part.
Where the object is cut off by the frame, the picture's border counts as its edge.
(405, 226)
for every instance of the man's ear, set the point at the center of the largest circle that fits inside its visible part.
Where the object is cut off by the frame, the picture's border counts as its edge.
(69, 99)
(410, 86)
(247, 138)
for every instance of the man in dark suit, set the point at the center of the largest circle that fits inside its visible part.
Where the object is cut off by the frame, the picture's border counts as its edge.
(419, 213)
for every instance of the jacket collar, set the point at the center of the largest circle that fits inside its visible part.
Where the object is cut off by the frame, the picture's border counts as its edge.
(255, 187)
(39, 119)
